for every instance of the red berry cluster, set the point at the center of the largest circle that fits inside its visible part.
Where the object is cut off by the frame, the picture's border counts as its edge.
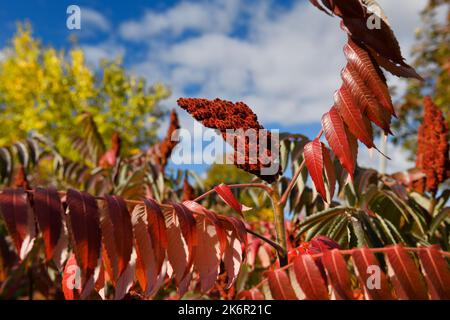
(225, 115)
(433, 148)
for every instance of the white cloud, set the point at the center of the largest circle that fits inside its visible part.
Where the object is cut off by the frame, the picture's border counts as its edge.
(284, 63)
(201, 16)
(107, 50)
(286, 66)
(93, 20)
(398, 158)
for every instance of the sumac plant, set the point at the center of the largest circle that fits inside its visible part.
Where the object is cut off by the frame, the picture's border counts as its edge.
(106, 226)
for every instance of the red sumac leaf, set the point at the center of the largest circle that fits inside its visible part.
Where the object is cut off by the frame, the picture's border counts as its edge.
(232, 258)
(436, 272)
(117, 233)
(338, 274)
(228, 197)
(85, 226)
(313, 154)
(366, 100)
(146, 268)
(48, 211)
(280, 285)
(310, 278)
(407, 280)
(372, 75)
(339, 139)
(252, 294)
(239, 227)
(357, 123)
(370, 271)
(329, 172)
(71, 279)
(19, 219)
(188, 229)
(207, 257)
(213, 218)
(399, 70)
(157, 227)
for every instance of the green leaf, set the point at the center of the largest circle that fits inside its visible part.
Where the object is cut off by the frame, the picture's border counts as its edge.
(314, 219)
(438, 220)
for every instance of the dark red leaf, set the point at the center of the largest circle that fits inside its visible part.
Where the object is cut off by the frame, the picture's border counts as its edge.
(407, 279)
(48, 211)
(213, 218)
(436, 272)
(280, 285)
(189, 231)
(321, 244)
(357, 123)
(85, 226)
(207, 255)
(71, 279)
(365, 259)
(157, 227)
(19, 219)
(122, 231)
(372, 75)
(338, 274)
(252, 294)
(228, 197)
(366, 100)
(339, 139)
(146, 269)
(313, 154)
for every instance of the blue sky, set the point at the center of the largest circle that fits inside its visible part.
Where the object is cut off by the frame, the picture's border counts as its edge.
(283, 58)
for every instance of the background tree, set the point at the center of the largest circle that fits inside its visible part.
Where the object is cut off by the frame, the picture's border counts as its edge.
(432, 61)
(48, 91)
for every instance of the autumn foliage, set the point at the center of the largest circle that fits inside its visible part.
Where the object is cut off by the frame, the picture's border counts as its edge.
(112, 225)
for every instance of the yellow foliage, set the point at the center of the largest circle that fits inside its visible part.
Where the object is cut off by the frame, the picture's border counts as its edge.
(46, 90)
